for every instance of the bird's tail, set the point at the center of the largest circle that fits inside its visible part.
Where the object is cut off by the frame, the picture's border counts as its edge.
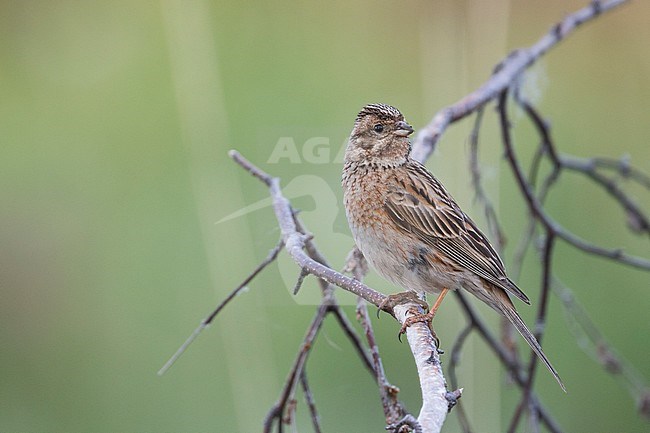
(509, 311)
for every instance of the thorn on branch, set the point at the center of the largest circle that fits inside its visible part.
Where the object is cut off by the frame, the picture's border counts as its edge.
(301, 279)
(557, 31)
(644, 404)
(597, 7)
(624, 165)
(392, 390)
(433, 359)
(511, 55)
(608, 359)
(452, 397)
(406, 424)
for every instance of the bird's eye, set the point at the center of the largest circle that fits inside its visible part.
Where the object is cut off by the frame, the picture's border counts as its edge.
(379, 128)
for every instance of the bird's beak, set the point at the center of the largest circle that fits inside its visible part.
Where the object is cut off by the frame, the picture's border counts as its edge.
(403, 129)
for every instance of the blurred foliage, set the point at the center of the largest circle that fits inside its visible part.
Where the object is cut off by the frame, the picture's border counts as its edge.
(115, 121)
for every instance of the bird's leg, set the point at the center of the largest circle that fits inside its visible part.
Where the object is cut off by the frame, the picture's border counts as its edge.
(428, 317)
(436, 304)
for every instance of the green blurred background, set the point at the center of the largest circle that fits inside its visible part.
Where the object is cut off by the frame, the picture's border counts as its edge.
(115, 122)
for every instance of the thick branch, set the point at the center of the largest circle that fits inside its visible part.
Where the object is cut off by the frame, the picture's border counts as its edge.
(427, 360)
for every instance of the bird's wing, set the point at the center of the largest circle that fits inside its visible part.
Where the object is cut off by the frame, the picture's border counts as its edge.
(420, 205)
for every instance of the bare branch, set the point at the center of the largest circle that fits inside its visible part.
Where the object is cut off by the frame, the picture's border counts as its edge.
(622, 166)
(276, 412)
(538, 211)
(451, 372)
(294, 241)
(502, 79)
(311, 404)
(638, 221)
(490, 213)
(393, 409)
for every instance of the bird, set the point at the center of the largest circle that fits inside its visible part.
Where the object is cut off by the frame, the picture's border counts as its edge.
(412, 231)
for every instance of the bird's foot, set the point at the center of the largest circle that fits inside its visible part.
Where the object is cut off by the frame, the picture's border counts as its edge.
(395, 299)
(427, 319)
(401, 298)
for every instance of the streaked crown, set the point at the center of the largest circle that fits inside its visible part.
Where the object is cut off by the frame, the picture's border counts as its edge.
(382, 111)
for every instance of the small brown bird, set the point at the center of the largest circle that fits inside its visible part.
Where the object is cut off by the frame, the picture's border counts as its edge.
(411, 230)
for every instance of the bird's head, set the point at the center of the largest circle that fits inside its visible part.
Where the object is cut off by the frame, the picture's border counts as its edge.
(380, 136)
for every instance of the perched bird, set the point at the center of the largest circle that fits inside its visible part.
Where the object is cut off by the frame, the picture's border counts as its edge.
(411, 230)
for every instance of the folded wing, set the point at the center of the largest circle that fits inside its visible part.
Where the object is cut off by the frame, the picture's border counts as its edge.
(420, 205)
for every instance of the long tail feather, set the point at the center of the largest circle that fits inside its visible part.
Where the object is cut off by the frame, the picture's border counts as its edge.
(509, 311)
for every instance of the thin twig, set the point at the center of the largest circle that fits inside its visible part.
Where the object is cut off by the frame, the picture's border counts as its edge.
(393, 409)
(639, 221)
(296, 239)
(481, 196)
(354, 338)
(357, 266)
(586, 333)
(454, 360)
(494, 228)
(276, 412)
(273, 254)
(622, 166)
(529, 231)
(311, 403)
